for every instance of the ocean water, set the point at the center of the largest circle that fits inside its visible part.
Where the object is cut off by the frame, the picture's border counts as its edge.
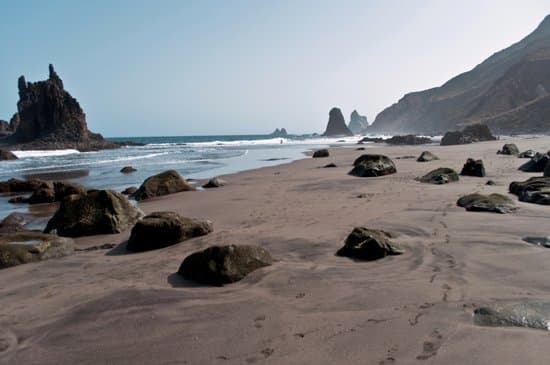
(194, 157)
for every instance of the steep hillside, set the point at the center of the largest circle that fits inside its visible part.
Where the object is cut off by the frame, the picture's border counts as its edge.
(517, 77)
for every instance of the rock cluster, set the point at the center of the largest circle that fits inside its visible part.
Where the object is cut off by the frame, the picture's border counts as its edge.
(409, 139)
(534, 190)
(472, 133)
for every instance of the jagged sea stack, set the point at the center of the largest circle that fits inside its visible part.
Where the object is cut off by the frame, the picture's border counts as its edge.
(357, 123)
(336, 124)
(49, 117)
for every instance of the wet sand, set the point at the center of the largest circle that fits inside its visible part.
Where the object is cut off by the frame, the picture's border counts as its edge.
(310, 307)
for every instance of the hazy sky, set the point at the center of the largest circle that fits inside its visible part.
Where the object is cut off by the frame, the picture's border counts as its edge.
(232, 67)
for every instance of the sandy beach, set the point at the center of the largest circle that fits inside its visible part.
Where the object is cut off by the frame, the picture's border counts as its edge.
(310, 307)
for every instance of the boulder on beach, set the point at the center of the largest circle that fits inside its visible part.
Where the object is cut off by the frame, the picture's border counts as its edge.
(167, 182)
(368, 244)
(528, 314)
(42, 195)
(7, 155)
(496, 203)
(336, 125)
(127, 169)
(427, 156)
(536, 164)
(472, 133)
(490, 182)
(162, 229)
(321, 153)
(509, 149)
(534, 190)
(473, 168)
(409, 139)
(332, 164)
(49, 193)
(92, 213)
(214, 183)
(527, 154)
(28, 246)
(219, 265)
(442, 175)
(372, 165)
(66, 188)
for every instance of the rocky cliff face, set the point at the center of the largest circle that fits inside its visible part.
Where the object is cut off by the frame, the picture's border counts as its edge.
(279, 133)
(508, 92)
(358, 124)
(336, 124)
(49, 117)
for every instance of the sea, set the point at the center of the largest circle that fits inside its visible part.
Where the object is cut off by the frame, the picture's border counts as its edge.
(194, 157)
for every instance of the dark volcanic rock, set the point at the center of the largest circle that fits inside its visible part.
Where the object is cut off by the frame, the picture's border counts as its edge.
(427, 156)
(167, 182)
(373, 165)
(96, 212)
(543, 241)
(127, 169)
(442, 175)
(336, 124)
(509, 149)
(44, 194)
(454, 138)
(50, 118)
(321, 153)
(65, 188)
(7, 155)
(496, 203)
(409, 139)
(12, 223)
(371, 139)
(130, 191)
(472, 133)
(473, 168)
(18, 200)
(20, 186)
(279, 133)
(358, 124)
(536, 164)
(534, 190)
(527, 154)
(332, 164)
(218, 265)
(162, 229)
(214, 183)
(27, 246)
(490, 182)
(528, 314)
(4, 128)
(368, 244)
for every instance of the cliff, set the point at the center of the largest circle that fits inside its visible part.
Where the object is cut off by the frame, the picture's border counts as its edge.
(509, 92)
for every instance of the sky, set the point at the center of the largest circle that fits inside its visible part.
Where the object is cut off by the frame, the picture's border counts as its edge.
(156, 68)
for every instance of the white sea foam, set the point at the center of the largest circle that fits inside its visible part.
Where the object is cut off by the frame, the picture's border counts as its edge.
(36, 153)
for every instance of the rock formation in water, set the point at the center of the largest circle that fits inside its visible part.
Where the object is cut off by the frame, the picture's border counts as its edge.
(509, 92)
(48, 117)
(336, 124)
(357, 123)
(279, 133)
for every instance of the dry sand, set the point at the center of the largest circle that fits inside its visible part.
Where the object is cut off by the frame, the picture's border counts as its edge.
(311, 307)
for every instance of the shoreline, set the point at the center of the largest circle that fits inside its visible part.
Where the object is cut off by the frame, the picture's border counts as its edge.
(108, 306)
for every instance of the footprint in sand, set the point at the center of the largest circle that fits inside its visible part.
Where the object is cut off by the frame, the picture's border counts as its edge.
(8, 341)
(431, 346)
(390, 359)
